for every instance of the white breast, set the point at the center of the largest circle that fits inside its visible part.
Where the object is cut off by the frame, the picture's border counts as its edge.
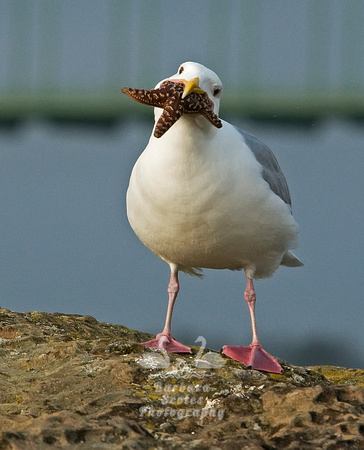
(196, 198)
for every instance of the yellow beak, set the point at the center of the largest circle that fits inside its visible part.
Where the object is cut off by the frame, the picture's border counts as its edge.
(192, 86)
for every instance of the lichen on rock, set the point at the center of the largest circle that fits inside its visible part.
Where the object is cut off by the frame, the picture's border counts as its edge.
(68, 381)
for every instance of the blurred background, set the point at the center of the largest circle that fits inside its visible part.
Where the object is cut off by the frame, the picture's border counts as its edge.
(293, 74)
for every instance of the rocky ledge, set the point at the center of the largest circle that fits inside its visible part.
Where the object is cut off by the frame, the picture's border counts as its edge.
(68, 381)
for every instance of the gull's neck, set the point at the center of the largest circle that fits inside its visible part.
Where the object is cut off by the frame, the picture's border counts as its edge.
(192, 126)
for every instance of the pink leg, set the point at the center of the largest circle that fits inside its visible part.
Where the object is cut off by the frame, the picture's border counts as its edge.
(164, 340)
(254, 355)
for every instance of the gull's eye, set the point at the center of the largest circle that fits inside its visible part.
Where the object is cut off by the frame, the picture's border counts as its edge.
(181, 69)
(216, 91)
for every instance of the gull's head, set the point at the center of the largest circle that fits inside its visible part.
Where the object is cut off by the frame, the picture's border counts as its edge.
(197, 78)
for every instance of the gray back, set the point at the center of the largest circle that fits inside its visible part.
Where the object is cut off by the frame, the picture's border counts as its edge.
(271, 171)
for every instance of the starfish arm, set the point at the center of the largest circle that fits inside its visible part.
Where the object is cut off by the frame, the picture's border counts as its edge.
(212, 117)
(152, 98)
(173, 110)
(201, 104)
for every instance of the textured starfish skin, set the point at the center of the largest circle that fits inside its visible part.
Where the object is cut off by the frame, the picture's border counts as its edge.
(169, 97)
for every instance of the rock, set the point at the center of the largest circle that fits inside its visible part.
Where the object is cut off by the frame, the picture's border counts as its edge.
(68, 381)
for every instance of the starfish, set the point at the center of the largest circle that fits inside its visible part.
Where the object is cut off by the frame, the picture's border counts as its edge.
(169, 97)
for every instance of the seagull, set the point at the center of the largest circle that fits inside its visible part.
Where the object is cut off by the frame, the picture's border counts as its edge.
(203, 195)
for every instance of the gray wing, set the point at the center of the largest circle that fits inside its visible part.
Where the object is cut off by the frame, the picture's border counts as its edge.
(271, 171)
